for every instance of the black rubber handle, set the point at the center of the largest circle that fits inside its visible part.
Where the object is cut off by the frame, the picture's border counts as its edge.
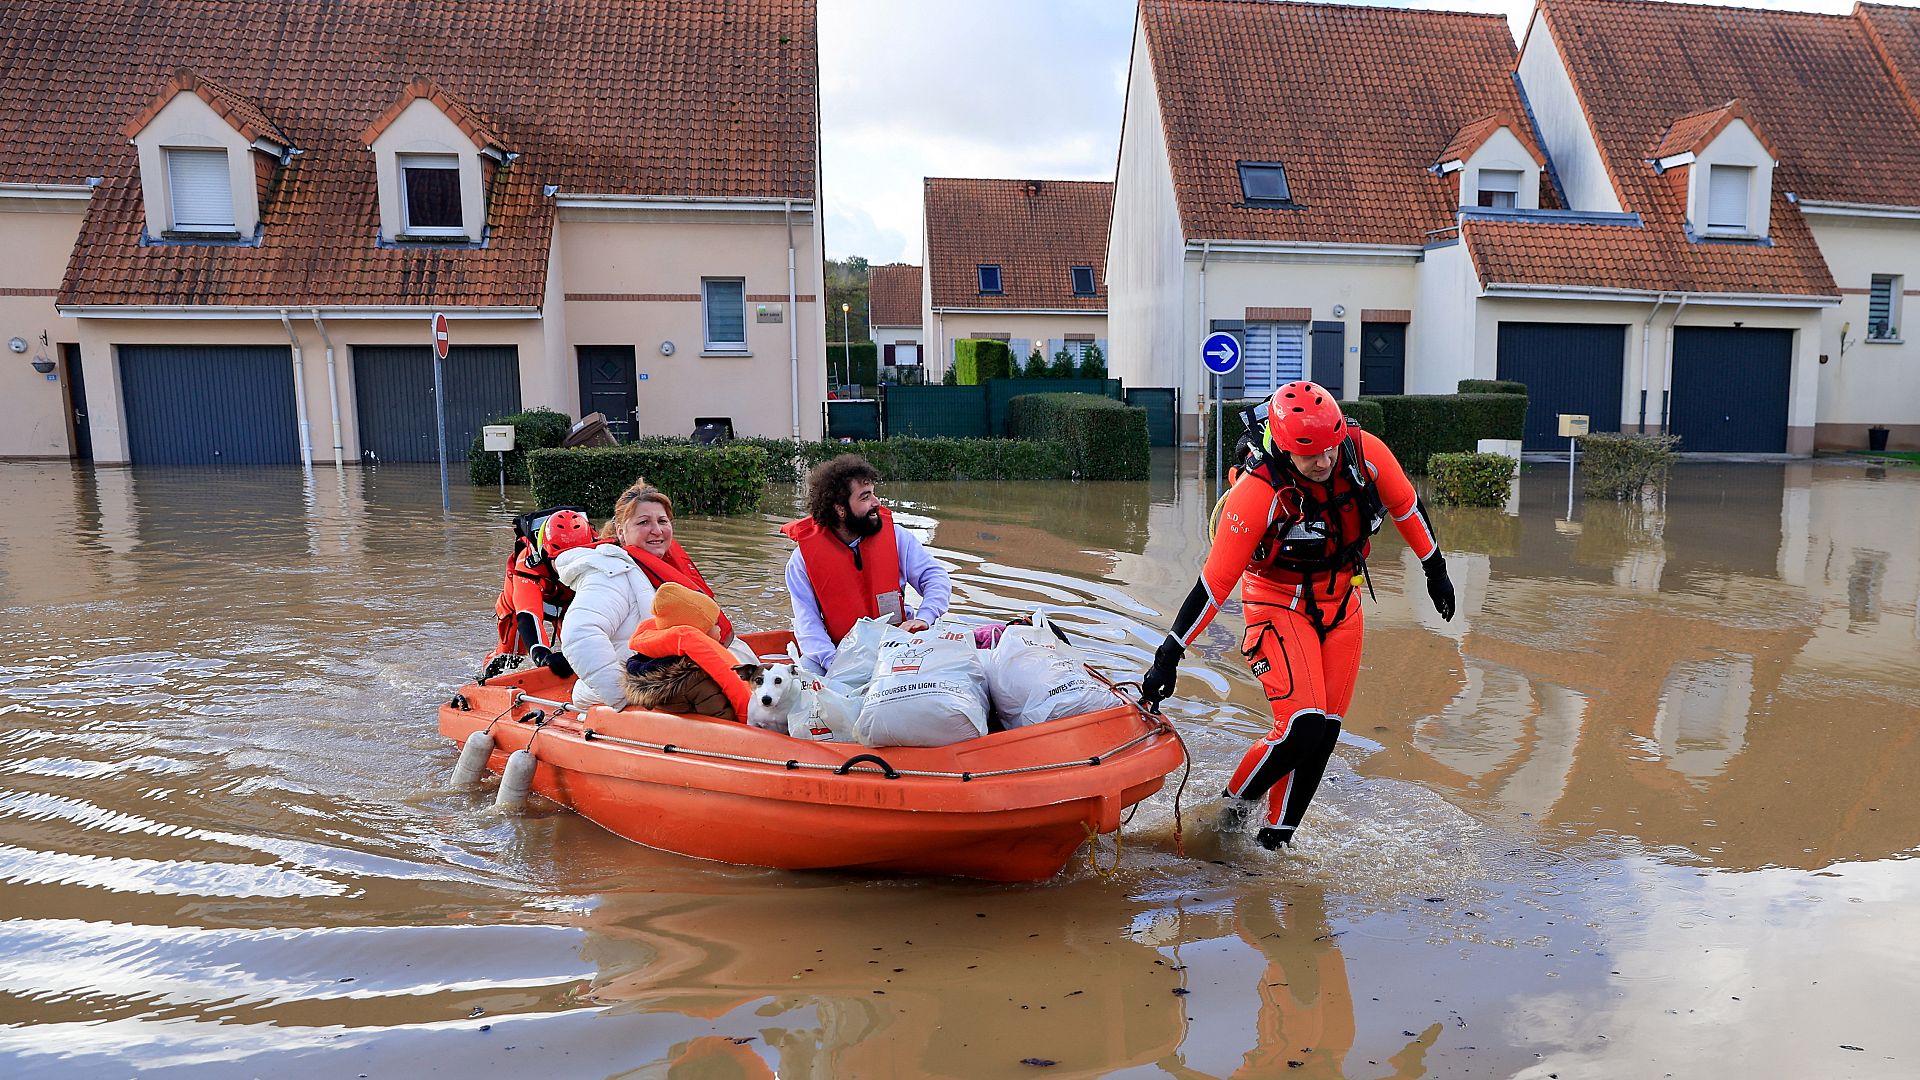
(887, 770)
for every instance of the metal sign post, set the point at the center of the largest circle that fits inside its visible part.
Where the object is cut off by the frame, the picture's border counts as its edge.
(499, 439)
(1221, 354)
(440, 403)
(1572, 425)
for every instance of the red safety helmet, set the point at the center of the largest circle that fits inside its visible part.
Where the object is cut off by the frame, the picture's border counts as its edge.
(1302, 418)
(565, 530)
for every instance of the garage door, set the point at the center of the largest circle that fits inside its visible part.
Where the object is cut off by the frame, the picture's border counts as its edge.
(1568, 368)
(393, 392)
(209, 405)
(1730, 389)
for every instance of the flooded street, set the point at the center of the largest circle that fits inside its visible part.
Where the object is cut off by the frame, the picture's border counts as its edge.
(1644, 808)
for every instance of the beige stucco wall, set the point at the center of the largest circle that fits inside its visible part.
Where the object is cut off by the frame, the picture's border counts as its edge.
(1441, 349)
(1869, 382)
(648, 267)
(38, 237)
(1147, 302)
(1236, 281)
(949, 327)
(898, 335)
(1563, 123)
(423, 129)
(188, 122)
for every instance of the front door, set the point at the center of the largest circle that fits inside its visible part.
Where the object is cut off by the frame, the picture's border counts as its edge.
(1383, 358)
(608, 387)
(77, 403)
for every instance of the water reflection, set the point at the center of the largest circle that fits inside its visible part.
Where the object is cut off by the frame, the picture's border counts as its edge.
(1654, 738)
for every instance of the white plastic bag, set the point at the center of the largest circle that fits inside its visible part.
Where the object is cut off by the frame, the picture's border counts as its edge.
(1034, 677)
(928, 689)
(852, 667)
(828, 715)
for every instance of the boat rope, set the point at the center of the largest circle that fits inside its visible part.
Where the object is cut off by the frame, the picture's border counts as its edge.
(1093, 852)
(1155, 717)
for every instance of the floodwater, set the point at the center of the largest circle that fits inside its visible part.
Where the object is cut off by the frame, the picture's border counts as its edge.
(1645, 808)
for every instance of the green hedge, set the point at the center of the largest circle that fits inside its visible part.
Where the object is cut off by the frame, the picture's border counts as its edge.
(1366, 410)
(864, 357)
(975, 360)
(1470, 479)
(1419, 426)
(726, 479)
(532, 430)
(1617, 466)
(1492, 386)
(1105, 439)
(950, 459)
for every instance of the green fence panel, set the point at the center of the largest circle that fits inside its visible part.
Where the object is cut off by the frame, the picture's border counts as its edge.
(1159, 402)
(931, 412)
(857, 418)
(1001, 391)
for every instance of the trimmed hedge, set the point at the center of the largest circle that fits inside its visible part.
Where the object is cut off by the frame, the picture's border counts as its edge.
(975, 360)
(1618, 466)
(864, 357)
(1366, 410)
(950, 459)
(1104, 439)
(1492, 386)
(725, 479)
(1470, 479)
(1422, 425)
(532, 430)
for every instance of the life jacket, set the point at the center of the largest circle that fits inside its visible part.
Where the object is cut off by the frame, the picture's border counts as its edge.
(677, 568)
(850, 582)
(1330, 526)
(531, 587)
(665, 642)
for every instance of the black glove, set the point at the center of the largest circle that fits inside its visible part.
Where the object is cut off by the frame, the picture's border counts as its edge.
(1439, 586)
(551, 660)
(1157, 684)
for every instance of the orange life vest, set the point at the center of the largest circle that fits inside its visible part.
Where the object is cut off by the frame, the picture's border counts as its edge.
(848, 581)
(713, 658)
(677, 568)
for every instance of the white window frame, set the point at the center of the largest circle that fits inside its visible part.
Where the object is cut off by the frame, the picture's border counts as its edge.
(1895, 286)
(1482, 188)
(443, 162)
(711, 346)
(177, 159)
(1745, 173)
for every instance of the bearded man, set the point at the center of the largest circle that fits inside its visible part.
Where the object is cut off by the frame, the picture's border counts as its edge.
(853, 562)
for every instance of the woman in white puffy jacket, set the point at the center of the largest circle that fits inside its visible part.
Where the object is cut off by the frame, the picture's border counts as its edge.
(611, 596)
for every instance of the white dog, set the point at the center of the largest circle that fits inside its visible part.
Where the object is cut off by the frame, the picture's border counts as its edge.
(787, 698)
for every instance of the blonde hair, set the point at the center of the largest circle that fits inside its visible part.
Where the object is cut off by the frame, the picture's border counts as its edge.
(628, 504)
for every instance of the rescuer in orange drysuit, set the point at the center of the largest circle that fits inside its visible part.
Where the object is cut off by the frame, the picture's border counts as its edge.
(1293, 531)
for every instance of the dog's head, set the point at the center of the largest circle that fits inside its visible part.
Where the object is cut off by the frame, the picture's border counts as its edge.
(776, 688)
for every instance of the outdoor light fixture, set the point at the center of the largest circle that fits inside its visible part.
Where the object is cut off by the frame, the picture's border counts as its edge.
(18, 344)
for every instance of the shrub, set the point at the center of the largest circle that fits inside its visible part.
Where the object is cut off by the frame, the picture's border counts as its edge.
(1093, 363)
(952, 375)
(858, 363)
(1104, 439)
(1492, 386)
(725, 479)
(1422, 425)
(1622, 466)
(532, 430)
(950, 459)
(1470, 479)
(1063, 366)
(1366, 410)
(979, 359)
(1036, 367)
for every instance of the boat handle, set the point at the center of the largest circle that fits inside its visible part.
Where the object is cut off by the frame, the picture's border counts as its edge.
(889, 771)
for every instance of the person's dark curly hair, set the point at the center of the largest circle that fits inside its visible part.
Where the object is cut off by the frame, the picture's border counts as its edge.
(830, 482)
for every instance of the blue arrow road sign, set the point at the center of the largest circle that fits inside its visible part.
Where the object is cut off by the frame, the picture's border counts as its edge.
(1221, 353)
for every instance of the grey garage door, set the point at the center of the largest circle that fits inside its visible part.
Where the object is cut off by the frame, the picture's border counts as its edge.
(209, 405)
(1568, 368)
(1730, 389)
(393, 392)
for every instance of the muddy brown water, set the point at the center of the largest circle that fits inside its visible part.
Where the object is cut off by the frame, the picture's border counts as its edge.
(1645, 808)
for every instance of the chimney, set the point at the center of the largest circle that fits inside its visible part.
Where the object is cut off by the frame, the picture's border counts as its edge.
(1033, 188)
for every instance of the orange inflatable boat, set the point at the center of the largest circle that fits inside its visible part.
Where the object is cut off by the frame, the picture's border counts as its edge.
(1010, 806)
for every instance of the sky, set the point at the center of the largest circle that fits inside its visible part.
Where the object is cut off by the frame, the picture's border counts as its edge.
(1014, 89)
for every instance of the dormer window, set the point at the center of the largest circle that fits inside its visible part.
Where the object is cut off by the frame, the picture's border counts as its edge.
(1499, 189)
(989, 279)
(199, 191)
(1083, 281)
(1722, 162)
(1729, 188)
(1264, 183)
(432, 200)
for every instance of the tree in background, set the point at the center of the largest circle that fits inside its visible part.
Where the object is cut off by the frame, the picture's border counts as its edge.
(847, 284)
(1063, 365)
(1036, 365)
(1093, 363)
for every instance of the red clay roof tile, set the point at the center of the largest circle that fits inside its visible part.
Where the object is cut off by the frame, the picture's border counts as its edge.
(1690, 134)
(893, 295)
(246, 116)
(458, 111)
(1477, 132)
(1036, 231)
(1895, 35)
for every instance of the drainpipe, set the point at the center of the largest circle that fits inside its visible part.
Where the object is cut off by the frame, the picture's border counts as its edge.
(1205, 250)
(299, 392)
(793, 318)
(1666, 390)
(1646, 349)
(333, 388)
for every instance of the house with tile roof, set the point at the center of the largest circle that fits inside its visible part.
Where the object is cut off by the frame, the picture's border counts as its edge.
(1283, 168)
(893, 315)
(1019, 261)
(232, 222)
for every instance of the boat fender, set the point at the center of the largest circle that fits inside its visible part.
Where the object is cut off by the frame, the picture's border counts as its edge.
(515, 780)
(473, 759)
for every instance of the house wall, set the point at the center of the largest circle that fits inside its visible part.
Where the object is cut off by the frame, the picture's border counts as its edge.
(893, 335)
(1502, 150)
(634, 278)
(1868, 383)
(1441, 346)
(1563, 122)
(189, 123)
(38, 236)
(1148, 304)
(950, 327)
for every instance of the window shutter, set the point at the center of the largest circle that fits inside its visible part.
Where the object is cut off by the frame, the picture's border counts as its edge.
(201, 188)
(1727, 196)
(1880, 308)
(726, 314)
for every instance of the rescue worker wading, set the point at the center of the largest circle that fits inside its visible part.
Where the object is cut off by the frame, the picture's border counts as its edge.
(1293, 532)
